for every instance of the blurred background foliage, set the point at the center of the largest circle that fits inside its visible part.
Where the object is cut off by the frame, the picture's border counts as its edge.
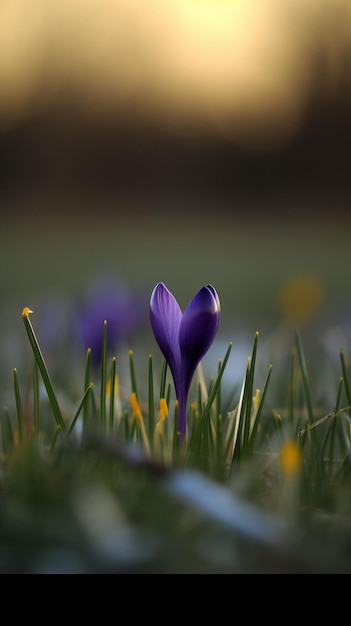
(191, 142)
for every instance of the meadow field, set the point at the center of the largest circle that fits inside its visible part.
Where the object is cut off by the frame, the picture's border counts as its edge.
(175, 314)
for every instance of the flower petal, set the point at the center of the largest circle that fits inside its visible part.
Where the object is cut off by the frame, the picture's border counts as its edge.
(197, 330)
(165, 318)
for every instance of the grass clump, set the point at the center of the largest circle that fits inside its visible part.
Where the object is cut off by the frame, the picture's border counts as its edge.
(259, 483)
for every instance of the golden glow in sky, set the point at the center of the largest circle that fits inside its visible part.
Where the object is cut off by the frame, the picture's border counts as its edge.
(239, 67)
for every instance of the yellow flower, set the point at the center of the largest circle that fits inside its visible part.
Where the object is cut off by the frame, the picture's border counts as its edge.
(301, 298)
(26, 311)
(290, 459)
(138, 418)
(137, 415)
(162, 416)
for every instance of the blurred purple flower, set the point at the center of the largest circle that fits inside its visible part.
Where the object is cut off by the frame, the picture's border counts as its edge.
(110, 300)
(184, 338)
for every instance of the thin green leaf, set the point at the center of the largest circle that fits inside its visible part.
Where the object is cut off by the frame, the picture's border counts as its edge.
(18, 407)
(81, 405)
(346, 379)
(133, 383)
(103, 377)
(259, 412)
(206, 412)
(43, 370)
(249, 396)
(112, 393)
(151, 403)
(36, 399)
(7, 435)
(87, 382)
(163, 379)
(304, 374)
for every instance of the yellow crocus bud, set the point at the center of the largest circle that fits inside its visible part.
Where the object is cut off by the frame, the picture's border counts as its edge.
(290, 459)
(162, 416)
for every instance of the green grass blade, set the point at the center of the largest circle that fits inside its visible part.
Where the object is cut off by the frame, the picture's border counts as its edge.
(259, 412)
(151, 403)
(291, 404)
(103, 377)
(133, 382)
(163, 380)
(206, 412)
(168, 394)
(36, 399)
(219, 456)
(87, 382)
(81, 405)
(238, 433)
(249, 397)
(346, 380)
(7, 435)
(304, 374)
(330, 436)
(55, 437)
(18, 407)
(43, 370)
(112, 393)
(219, 393)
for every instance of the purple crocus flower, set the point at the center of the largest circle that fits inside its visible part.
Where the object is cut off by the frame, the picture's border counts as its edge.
(111, 300)
(184, 338)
